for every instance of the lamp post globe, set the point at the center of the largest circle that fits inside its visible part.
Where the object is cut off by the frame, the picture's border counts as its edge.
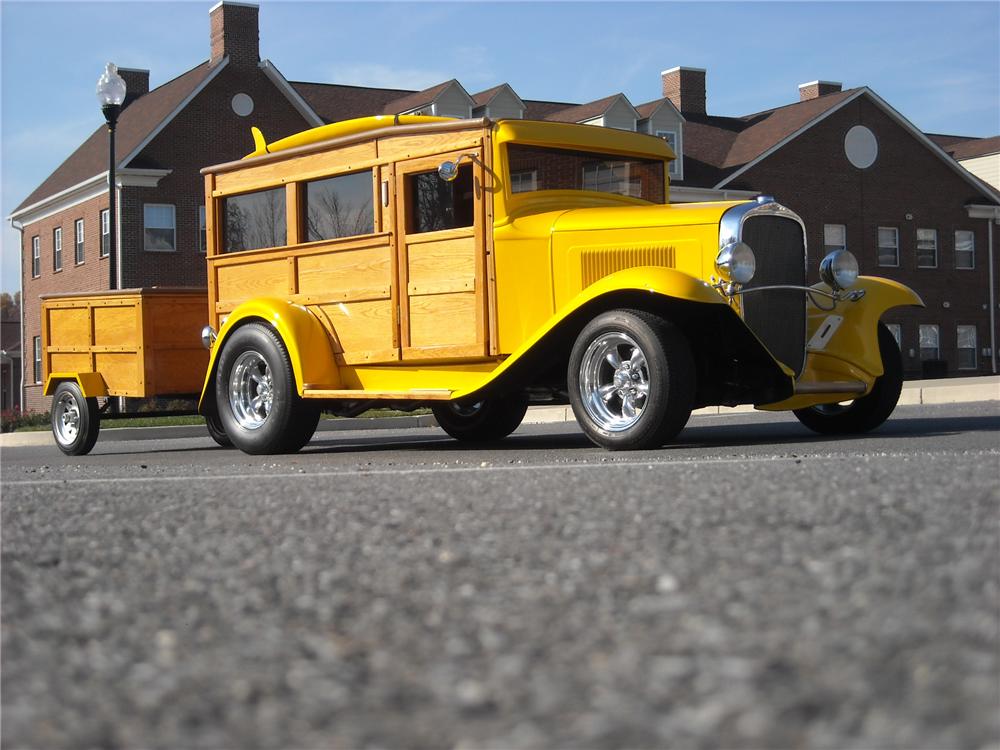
(111, 93)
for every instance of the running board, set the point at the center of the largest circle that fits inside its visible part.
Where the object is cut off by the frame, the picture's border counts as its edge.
(837, 386)
(440, 394)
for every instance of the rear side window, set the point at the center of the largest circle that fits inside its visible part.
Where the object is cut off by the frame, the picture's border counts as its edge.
(254, 220)
(436, 204)
(339, 207)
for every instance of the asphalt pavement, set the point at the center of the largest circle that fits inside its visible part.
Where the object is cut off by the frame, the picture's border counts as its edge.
(751, 586)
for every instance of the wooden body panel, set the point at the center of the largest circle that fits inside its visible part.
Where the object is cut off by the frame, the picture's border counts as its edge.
(143, 342)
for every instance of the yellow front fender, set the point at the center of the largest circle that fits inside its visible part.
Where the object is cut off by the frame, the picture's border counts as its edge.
(309, 346)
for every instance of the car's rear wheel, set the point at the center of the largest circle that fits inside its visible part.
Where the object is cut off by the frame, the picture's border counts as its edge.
(868, 412)
(259, 408)
(484, 420)
(631, 380)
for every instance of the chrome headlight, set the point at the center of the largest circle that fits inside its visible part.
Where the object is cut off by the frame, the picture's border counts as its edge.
(839, 270)
(736, 263)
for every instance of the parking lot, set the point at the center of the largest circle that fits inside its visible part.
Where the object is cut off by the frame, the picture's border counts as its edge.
(752, 585)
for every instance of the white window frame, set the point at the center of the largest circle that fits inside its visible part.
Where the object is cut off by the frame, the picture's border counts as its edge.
(202, 231)
(972, 252)
(879, 246)
(37, 345)
(917, 253)
(78, 250)
(974, 348)
(829, 247)
(676, 168)
(57, 250)
(929, 328)
(105, 232)
(173, 215)
(36, 256)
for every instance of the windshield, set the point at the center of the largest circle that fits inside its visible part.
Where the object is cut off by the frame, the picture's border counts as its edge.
(534, 168)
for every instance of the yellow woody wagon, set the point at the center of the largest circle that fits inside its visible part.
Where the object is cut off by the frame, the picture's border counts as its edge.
(476, 267)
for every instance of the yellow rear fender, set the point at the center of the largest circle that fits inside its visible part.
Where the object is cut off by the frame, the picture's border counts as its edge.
(854, 341)
(91, 383)
(309, 346)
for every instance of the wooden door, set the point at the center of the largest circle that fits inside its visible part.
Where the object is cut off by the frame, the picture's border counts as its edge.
(441, 258)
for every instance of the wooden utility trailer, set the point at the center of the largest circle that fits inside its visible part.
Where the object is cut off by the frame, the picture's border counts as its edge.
(139, 343)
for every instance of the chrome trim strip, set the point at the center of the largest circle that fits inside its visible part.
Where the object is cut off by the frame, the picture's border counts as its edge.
(837, 386)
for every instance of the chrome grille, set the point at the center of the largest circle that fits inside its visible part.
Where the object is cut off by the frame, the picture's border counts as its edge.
(778, 317)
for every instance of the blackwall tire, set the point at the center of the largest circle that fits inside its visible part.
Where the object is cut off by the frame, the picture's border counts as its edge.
(631, 379)
(256, 397)
(868, 412)
(76, 421)
(483, 421)
(216, 430)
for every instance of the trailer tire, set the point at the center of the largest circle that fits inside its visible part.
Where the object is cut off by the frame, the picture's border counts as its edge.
(868, 412)
(76, 421)
(258, 405)
(631, 380)
(483, 421)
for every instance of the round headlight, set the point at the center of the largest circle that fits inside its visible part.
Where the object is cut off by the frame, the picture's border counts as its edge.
(839, 269)
(736, 263)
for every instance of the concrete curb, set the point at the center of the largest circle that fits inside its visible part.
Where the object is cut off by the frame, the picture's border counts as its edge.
(915, 392)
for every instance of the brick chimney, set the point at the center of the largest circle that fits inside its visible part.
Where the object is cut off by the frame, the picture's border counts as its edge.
(685, 88)
(235, 33)
(136, 84)
(816, 89)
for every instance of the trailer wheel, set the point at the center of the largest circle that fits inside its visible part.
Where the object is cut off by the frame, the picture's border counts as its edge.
(631, 380)
(76, 421)
(258, 406)
(868, 412)
(216, 430)
(486, 420)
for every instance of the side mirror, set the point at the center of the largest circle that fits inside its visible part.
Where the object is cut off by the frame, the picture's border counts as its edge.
(448, 171)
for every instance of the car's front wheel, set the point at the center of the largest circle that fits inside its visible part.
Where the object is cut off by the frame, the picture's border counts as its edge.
(482, 421)
(631, 380)
(868, 412)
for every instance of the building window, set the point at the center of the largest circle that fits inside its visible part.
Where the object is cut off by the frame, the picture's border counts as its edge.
(339, 206)
(202, 234)
(37, 341)
(897, 333)
(671, 138)
(254, 220)
(888, 246)
(36, 257)
(105, 233)
(57, 249)
(834, 237)
(525, 181)
(967, 348)
(159, 223)
(927, 248)
(929, 342)
(965, 249)
(611, 177)
(78, 237)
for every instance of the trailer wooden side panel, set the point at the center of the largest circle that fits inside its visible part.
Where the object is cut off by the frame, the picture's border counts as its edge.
(142, 342)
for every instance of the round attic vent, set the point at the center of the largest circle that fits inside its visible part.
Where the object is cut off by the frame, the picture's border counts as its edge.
(242, 104)
(861, 147)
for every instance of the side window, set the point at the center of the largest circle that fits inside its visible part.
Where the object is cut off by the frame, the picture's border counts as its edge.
(965, 249)
(254, 220)
(930, 346)
(888, 246)
(436, 204)
(340, 206)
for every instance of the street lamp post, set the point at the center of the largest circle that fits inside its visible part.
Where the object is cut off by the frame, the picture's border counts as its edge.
(111, 94)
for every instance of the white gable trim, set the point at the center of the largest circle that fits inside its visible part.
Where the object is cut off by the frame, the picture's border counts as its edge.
(452, 84)
(664, 102)
(501, 87)
(894, 115)
(176, 111)
(293, 96)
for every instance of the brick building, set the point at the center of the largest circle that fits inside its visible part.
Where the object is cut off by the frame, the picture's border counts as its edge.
(857, 171)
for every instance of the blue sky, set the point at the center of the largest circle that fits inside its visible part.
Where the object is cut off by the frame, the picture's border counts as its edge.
(937, 63)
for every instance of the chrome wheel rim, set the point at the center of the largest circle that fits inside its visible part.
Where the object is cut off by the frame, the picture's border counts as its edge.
(614, 381)
(250, 391)
(467, 410)
(832, 410)
(66, 419)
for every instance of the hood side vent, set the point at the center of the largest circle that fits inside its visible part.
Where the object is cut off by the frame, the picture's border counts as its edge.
(596, 262)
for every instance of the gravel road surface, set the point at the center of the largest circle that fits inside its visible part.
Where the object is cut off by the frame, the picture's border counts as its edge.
(751, 586)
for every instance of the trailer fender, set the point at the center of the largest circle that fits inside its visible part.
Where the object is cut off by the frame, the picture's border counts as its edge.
(309, 346)
(855, 342)
(91, 383)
